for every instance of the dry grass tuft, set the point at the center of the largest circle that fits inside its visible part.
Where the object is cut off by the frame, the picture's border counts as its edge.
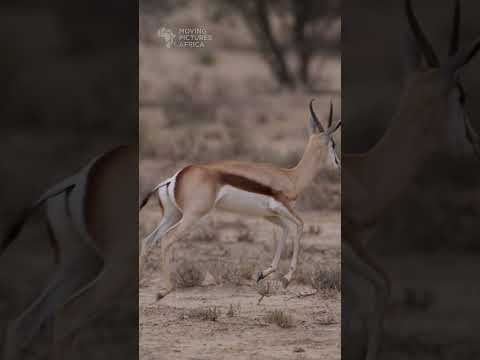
(326, 279)
(206, 314)
(328, 319)
(280, 318)
(186, 274)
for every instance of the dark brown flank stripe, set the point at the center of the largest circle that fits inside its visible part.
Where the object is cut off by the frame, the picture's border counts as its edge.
(246, 184)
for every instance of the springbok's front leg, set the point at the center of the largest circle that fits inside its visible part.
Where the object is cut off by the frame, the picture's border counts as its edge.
(286, 212)
(283, 224)
(381, 286)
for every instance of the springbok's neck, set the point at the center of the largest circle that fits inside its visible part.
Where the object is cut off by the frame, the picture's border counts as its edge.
(313, 156)
(382, 174)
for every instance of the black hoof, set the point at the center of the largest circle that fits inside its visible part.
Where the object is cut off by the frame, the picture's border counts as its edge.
(259, 276)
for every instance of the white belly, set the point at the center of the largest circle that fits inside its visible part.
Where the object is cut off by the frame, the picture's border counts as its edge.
(239, 201)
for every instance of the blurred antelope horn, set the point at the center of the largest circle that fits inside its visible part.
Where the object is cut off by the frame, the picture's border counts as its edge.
(455, 36)
(330, 116)
(420, 37)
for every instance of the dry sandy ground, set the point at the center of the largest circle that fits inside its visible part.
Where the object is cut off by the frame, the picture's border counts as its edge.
(168, 332)
(433, 310)
(442, 320)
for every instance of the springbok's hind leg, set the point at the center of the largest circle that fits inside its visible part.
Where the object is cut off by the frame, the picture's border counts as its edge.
(68, 277)
(283, 224)
(166, 224)
(180, 229)
(171, 216)
(88, 304)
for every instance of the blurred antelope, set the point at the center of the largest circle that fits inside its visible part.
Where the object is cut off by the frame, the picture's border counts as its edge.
(96, 259)
(430, 111)
(260, 190)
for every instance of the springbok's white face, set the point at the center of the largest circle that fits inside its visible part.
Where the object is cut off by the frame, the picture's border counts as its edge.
(457, 141)
(325, 136)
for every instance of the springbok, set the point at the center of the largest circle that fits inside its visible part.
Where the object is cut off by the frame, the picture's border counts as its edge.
(96, 259)
(430, 109)
(247, 188)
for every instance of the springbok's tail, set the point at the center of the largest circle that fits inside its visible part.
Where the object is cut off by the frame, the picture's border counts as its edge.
(150, 193)
(14, 230)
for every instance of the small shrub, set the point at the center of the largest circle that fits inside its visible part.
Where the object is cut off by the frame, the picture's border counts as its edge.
(314, 229)
(204, 234)
(245, 236)
(280, 318)
(232, 311)
(187, 274)
(206, 57)
(328, 279)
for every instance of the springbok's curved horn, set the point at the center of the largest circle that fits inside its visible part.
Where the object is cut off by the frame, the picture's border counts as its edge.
(455, 36)
(420, 37)
(314, 119)
(330, 116)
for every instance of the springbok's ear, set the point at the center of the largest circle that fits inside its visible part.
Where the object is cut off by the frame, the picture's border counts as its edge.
(463, 57)
(337, 126)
